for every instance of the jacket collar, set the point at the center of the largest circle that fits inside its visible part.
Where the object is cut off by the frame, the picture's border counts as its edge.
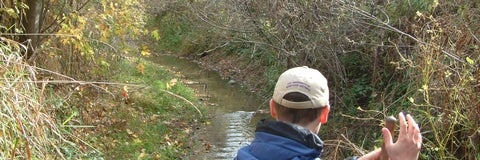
(291, 131)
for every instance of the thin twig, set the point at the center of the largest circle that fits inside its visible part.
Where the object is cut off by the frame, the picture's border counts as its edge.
(205, 19)
(61, 75)
(183, 98)
(213, 49)
(80, 82)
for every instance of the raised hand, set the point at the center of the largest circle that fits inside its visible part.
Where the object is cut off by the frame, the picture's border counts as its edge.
(409, 142)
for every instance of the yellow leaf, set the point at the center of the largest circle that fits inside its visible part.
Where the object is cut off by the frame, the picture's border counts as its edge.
(470, 61)
(171, 83)
(137, 141)
(11, 12)
(411, 99)
(142, 155)
(141, 68)
(425, 87)
(145, 51)
(419, 13)
(156, 35)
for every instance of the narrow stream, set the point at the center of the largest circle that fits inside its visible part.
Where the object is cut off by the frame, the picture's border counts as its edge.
(232, 108)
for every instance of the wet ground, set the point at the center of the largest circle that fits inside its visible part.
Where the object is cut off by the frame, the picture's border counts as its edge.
(234, 111)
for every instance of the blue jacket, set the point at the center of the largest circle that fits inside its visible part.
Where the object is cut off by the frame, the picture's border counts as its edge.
(278, 140)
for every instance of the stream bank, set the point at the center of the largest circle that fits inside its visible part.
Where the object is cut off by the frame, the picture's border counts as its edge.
(232, 109)
(241, 68)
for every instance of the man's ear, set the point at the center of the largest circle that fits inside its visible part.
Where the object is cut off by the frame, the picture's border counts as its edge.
(273, 111)
(323, 118)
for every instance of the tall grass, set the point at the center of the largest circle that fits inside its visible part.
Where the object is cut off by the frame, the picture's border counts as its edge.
(28, 129)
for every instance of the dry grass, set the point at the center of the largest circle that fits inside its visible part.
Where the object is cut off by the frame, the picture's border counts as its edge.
(28, 126)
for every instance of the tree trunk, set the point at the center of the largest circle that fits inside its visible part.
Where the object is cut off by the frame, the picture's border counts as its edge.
(32, 24)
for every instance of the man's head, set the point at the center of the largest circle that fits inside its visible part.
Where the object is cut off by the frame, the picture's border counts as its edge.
(301, 96)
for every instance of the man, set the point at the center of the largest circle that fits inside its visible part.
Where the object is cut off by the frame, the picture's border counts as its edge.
(300, 106)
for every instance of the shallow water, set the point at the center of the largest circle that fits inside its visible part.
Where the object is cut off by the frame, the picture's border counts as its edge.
(233, 110)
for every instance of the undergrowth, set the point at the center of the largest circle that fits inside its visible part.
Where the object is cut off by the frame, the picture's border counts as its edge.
(147, 121)
(29, 128)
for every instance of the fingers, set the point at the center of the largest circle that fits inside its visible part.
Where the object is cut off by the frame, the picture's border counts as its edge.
(387, 137)
(414, 131)
(417, 138)
(403, 124)
(412, 125)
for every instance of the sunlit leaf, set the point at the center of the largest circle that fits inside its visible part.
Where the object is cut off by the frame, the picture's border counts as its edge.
(168, 141)
(187, 130)
(411, 99)
(448, 73)
(419, 13)
(156, 35)
(171, 83)
(145, 51)
(104, 63)
(125, 93)
(142, 155)
(425, 87)
(137, 141)
(470, 61)
(129, 131)
(134, 135)
(10, 11)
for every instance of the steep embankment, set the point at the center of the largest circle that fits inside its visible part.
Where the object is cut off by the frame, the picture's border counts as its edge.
(241, 69)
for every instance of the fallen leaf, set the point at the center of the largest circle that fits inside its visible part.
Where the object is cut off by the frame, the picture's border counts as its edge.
(145, 51)
(187, 131)
(141, 68)
(137, 141)
(142, 155)
(129, 131)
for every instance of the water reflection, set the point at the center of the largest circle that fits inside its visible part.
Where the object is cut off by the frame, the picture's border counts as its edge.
(237, 134)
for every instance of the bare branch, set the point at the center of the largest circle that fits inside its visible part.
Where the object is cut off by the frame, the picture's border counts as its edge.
(376, 19)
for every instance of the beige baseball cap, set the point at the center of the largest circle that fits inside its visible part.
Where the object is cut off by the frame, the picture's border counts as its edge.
(307, 81)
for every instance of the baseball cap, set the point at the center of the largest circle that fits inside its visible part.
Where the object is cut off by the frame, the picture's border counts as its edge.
(307, 81)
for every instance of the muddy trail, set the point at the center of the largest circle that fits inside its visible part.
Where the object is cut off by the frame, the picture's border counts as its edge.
(232, 110)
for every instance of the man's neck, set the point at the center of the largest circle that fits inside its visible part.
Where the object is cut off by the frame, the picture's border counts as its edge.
(312, 126)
